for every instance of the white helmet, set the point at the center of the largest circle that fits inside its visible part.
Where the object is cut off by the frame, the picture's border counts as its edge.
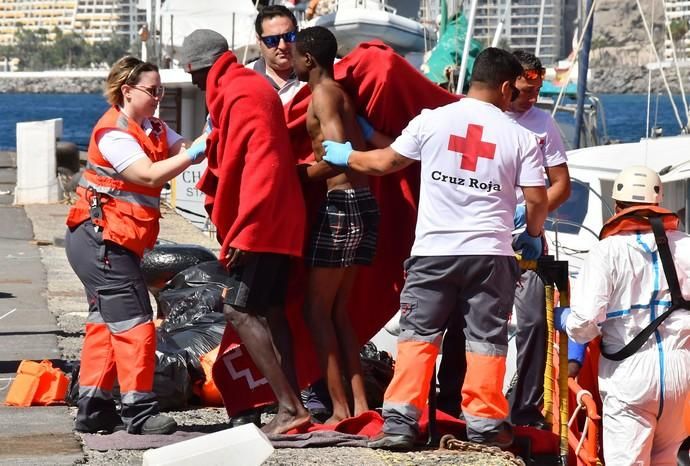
(638, 184)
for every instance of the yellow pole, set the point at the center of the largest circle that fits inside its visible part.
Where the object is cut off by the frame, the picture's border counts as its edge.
(564, 299)
(548, 369)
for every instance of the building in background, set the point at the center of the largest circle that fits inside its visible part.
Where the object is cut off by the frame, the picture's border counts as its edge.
(521, 26)
(95, 20)
(677, 16)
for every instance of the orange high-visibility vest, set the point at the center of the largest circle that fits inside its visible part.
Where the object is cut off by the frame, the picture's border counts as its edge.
(130, 212)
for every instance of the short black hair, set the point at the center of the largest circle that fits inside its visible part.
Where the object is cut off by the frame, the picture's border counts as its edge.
(528, 60)
(272, 11)
(320, 43)
(494, 66)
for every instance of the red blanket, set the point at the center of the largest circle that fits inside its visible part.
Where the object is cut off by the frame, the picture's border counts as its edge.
(253, 195)
(370, 423)
(389, 92)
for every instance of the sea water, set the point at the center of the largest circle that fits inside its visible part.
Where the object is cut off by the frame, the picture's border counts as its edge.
(625, 115)
(79, 112)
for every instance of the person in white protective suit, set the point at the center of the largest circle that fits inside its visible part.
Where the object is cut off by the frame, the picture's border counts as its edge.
(621, 288)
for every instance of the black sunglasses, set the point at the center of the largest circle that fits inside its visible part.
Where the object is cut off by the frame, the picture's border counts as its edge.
(273, 41)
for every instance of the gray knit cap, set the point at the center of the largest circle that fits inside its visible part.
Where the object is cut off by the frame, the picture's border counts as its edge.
(201, 49)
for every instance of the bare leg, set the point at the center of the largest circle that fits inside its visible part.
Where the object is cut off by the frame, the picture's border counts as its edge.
(349, 346)
(282, 340)
(321, 292)
(257, 339)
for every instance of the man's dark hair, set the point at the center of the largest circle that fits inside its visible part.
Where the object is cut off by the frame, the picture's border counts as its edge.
(271, 12)
(320, 43)
(495, 66)
(528, 60)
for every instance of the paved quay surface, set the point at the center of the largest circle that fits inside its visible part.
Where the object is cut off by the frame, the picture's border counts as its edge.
(42, 313)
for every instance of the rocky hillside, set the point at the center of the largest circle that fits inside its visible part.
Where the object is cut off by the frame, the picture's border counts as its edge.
(621, 49)
(50, 85)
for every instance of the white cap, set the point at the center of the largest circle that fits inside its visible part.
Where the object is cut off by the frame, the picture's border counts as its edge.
(638, 184)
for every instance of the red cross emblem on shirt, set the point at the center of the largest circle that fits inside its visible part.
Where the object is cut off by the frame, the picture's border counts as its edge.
(471, 147)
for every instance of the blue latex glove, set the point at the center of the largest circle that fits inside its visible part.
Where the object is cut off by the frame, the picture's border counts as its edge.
(208, 126)
(529, 245)
(197, 150)
(560, 316)
(365, 126)
(576, 351)
(337, 153)
(520, 217)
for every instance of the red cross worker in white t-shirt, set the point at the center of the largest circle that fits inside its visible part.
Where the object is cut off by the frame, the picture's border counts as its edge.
(472, 158)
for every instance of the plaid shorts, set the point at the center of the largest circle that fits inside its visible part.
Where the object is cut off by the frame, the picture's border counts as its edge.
(346, 230)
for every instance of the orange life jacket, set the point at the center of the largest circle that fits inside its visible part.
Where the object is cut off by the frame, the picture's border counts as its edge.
(130, 212)
(634, 219)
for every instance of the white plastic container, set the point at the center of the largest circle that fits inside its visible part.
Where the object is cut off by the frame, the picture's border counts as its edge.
(245, 445)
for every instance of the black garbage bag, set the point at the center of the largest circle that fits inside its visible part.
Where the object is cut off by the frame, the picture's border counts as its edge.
(181, 305)
(377, 369)
(164, 261)
(172, 383)
(204, 273)
(178, 353)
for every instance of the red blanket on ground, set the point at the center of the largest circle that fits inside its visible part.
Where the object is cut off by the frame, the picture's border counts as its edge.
(389, 92)
(370, 424)
(253, 195)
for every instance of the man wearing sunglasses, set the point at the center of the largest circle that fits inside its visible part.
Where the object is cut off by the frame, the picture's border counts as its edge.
(276, 30)
(526, 397)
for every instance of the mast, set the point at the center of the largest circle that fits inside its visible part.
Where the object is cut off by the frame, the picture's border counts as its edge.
(444, 17)
(540, 28)
(583, 67)
(466, 47)
(501, 23)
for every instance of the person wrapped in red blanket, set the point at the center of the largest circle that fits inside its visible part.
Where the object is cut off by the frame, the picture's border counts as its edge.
(389, 92)
(254, 199)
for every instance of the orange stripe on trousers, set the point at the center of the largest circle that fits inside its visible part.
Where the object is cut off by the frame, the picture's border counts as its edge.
(413, 369)
(135, 355)
(482, 390)
(97, 367)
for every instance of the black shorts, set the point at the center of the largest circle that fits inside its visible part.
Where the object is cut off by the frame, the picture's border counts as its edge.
(258, 284)
(346, 230)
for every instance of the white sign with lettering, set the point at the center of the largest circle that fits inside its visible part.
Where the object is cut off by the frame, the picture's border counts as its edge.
(189, 201)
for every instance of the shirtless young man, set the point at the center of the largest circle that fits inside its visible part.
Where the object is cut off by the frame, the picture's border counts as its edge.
(345, 232)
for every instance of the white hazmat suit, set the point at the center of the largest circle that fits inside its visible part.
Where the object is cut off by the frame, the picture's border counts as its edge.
(619, 291)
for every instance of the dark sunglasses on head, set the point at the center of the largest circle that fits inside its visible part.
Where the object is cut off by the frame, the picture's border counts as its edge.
(273, 41)
(537, 73)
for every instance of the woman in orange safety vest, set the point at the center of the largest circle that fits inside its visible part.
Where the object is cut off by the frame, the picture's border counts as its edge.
(131, 156)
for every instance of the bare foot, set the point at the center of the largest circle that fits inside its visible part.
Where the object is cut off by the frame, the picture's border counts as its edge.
(334, 420)
(360, 408)
(283, 421)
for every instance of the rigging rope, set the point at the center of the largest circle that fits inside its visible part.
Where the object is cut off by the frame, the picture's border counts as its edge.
(577, 52)
(675, 61)
(658, 61)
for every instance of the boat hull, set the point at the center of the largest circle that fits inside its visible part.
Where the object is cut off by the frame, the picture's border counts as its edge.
(351, 26)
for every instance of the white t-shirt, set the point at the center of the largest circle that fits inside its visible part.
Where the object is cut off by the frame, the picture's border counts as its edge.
(472, 156)
(542, 124)
(121, 149)
(289, 89)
